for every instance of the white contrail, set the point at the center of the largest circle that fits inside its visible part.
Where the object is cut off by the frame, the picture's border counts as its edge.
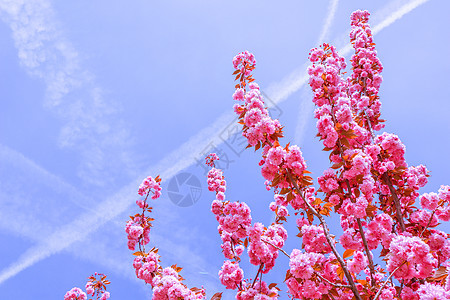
(328, 21)
(178, 160)
(97, 248)
(305, 106)
(71, 91)
(80, 228)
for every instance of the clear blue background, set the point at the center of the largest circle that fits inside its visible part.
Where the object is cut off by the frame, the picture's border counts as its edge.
(97, 95)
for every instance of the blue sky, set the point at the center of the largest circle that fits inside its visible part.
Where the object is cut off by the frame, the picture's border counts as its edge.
(97, 95)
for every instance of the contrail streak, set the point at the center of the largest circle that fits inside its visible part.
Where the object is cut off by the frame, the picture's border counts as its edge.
(80, 228)
(305, 106)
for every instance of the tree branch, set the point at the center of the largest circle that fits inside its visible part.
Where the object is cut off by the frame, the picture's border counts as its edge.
(396, 201)
(384, 284)
(328, 237)
(278, 248)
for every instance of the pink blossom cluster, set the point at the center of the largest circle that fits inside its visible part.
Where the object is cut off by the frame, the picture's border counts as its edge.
(439, 244)
(414, 179)
(355, 208)
(149, 184)
(243, 59)
(360, 164)
(75, 294)
(392, 151)
(138, 231)
(234, 220)
(424, 218)
(311, 274)
(380, 230)
(443, 212)
(365, 81)
(231, 275)
(358, 263)
(279, 205)
(264, 244)
(328, 181)
(314, 239)
(301, 264)
(217, 183)
(167, 285)
(258, 125)
(412, 257)
(258, 291)
(211, 158)
(329, 96)
(146, 266)
(430, 291)
(350, 239)
(279, 160)
(91, 291)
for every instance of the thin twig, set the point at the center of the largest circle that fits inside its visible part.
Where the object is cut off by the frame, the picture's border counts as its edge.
(278, 248)
(384, 284)
(333, 284)
(396, 201)
(429, 222)
(328, 237)
(257, 274)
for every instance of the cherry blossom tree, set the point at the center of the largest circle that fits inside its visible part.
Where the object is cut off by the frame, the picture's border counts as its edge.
(369, 185)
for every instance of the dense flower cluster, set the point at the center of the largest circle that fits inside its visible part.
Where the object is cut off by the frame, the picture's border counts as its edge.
(264, 244)
(95, 287)
(243, 60)
(75, 294)
(259, 127)
(217, 183)
(167, 285)
(234, 219)
(231, 275)
(411, 256)
(150, 185)
(146, 266)
(365, 80)
(138, 231)
(259, 291)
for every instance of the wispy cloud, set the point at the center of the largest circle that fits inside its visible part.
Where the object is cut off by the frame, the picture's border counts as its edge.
(71, 90)
(175, 162)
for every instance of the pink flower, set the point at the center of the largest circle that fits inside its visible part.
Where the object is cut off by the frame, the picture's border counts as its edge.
(358, 263)
(75, 294)
(429, 201)
(301, 263)
(239, 95)
(429, 291)
(231, 275)
(414, 251)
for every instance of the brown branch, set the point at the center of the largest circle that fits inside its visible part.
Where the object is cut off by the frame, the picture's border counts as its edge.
(366, 248)
(384, 284)
(428, 224)
(363, 237)
(278, 248)
(333, 284)
(257, 274)
(396, 201)
(328, 237)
